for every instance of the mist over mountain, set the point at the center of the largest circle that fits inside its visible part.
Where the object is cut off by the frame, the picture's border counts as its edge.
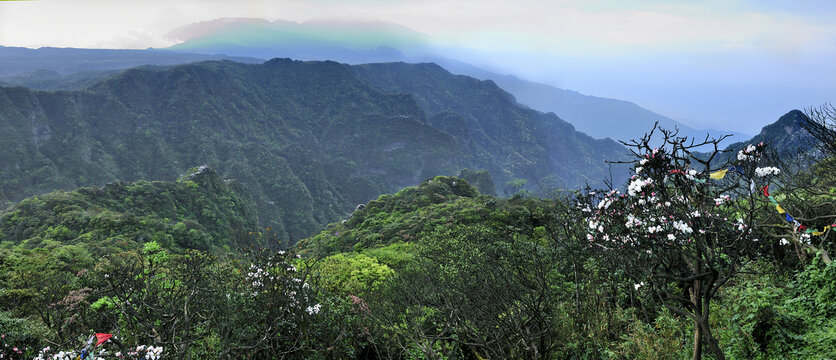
(251, 40)
(310, 140)
(18, 60)
(362, 42)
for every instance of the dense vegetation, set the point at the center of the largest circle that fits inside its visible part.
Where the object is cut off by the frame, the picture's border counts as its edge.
(310, 140)
(434, 271)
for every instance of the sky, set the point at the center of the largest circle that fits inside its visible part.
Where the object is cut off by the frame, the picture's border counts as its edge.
(731, 64)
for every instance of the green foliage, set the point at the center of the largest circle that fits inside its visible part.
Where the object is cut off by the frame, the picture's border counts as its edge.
(355, 274)
(480, 179)
(665, 338)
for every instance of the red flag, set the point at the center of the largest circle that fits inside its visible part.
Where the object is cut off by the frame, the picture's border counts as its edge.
(102, 338)
(766, 191)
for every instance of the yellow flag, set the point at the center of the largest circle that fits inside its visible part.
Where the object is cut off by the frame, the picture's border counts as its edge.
(719, 174)
(780, 209)
(818, 233)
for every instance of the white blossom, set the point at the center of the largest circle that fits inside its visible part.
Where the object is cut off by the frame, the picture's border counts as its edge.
(636, 186)
(639, 285)
(314, 309)
(682, 227)
(766, 171)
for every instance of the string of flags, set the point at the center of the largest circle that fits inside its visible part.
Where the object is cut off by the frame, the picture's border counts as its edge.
(717, 175)
(792, 220)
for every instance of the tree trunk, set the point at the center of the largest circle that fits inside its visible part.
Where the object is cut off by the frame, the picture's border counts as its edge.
(697, 341)
(713, 345)
(696, 300)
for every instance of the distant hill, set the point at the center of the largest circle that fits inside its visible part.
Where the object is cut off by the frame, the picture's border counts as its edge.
(18, 60)
(785, 136)
(309, 140)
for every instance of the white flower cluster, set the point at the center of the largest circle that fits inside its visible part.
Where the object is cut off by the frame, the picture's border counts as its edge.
(140, 352)
(783, 241)
(312, 310)
(632, 221)
(63, 355)
(151, 352)
(639, 285)
(605, 203)
(766, 171)
(720, 200)
(636, 186)
(682, 227)
(594, 225)
(654, 229)
(747, 154)
(257, 276)
(741, 225)
(691, 174)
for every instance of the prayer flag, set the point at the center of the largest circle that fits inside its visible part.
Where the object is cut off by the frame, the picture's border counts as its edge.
(719, 174)
(100, 338)
(780, 210)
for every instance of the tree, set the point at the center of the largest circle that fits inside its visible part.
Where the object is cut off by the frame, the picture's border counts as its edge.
(685, 226)
(808, 191)
(478, 292)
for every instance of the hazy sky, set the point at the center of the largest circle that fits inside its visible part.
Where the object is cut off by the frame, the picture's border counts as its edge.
(725, 64)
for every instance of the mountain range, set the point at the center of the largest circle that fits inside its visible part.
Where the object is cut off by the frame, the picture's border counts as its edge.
(309, 140)
(254, 40)
(374, 42)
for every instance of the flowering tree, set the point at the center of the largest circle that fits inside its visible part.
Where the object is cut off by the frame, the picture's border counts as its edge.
(685, 226)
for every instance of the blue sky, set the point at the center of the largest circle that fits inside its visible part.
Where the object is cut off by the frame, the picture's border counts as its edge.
(723, 64)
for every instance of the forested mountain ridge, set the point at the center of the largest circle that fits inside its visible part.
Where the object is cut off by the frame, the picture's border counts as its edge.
(309, 139)
(199, 211)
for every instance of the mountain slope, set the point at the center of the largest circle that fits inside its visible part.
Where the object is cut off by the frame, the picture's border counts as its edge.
(309, 140)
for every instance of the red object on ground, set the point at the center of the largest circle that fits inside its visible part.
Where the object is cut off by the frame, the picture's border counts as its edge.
(102, 338)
